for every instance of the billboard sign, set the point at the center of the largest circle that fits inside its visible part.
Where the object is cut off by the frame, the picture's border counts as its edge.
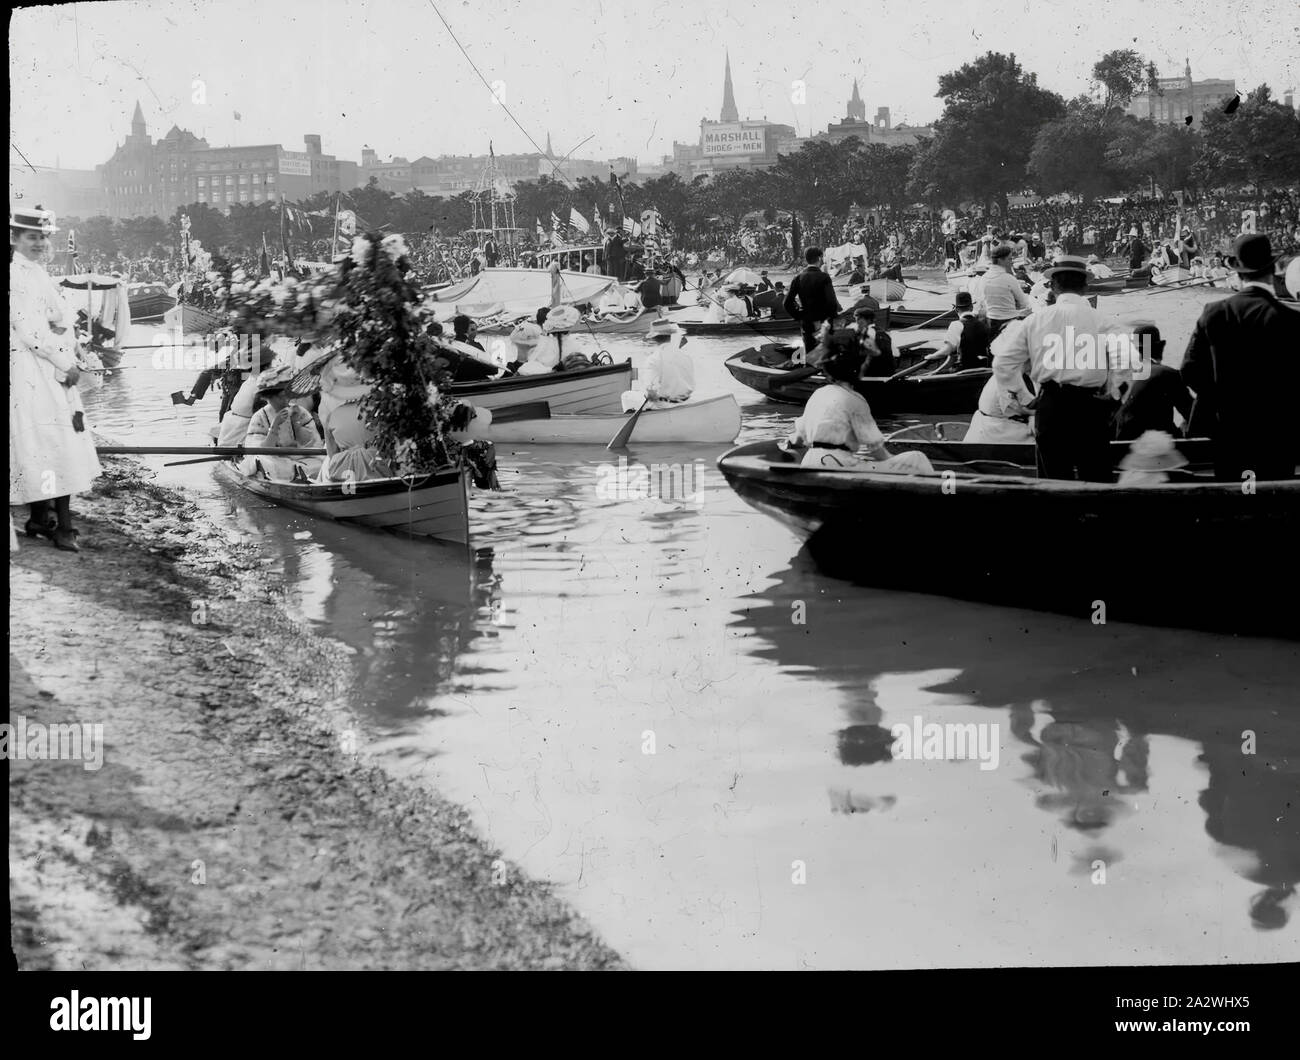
(731, 138)
(295, 164)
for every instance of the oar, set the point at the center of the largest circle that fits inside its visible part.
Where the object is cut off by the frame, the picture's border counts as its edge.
(1180, 286)
(925, 323)
(619, 441)
(219, 452)
(911, 369)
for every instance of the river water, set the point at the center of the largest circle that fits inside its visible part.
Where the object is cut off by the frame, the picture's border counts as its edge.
(660, 705)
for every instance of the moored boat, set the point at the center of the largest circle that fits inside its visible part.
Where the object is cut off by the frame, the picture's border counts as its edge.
(713, 420)
(1176, 553)
(149, 301)
(782, 325)
(435, 505)
(516, 292)
(584, 391)
(886, 290)
(637, 323)
(944, 443)
(192, 320)
(944, 393)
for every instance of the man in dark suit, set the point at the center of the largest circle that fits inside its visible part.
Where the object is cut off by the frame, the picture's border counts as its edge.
(1151, 401)
(812, 301)
(1243, 363)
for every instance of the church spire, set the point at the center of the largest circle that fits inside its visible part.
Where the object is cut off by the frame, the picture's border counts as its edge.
(137, 121)
(729, 112)
(549, 153)
(857, 109)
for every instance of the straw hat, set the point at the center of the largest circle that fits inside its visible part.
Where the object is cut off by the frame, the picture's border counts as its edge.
(1153, 451)
(664, 329)
(561, 318)
(1067, 263)
(33, 220)
(277, 378)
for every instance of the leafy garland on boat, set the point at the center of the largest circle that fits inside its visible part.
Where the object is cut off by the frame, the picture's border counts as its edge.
(368, 308)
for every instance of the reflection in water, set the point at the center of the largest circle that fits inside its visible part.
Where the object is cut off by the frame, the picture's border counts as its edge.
(1087, 702)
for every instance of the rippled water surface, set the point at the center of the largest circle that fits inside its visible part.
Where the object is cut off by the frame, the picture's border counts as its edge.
(530, 678)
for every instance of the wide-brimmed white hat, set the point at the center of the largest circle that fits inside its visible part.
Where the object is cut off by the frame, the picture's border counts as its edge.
(278, 378)
(1153, 451)
(526, 334)
(561, 318)
(33, 220)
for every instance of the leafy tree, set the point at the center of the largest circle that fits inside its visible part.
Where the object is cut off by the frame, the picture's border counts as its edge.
(98, 235)
(207, 225)
(1143, 151)
(142, 237)
(993, 109)
(1119, 75)
(1258, 144)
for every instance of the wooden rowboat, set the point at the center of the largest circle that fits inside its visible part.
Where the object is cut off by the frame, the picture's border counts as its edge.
(434, 505)
(632, 324)
(578, 391)
(946, 393)
(714, 420)
(886, 290)
(782, 325)
(1175, 274)
(1182, 554)
(149, 302)
(944, 444)
(192, 320)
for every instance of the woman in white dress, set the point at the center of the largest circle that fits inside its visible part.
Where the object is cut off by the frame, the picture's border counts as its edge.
(51, 451)
(837, 420)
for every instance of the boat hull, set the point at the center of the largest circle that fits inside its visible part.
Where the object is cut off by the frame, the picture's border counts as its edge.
(946, 394)
(1171, 554)
(150, 308)
(583, 391)
(886, 290)
(744, 328)
(714, 420)
(191, 320)
(434, 506)
(944, 444)
(634, 325)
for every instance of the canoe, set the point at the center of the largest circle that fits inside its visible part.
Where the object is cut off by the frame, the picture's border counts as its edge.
(579, 391)
(715, 420)
(148, 301)
(944, 444)
(1184, 554)
(943, 394)
(191, 320)
(435, 505)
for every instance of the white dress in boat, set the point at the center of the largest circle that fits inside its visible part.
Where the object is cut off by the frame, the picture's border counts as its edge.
(47, 457)
(991, 425)
(838, 416)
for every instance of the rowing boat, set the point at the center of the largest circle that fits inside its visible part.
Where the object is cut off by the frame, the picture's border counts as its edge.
(1180, 554)
(192, 320)
(886, 290)
(584, 391)
(944, 393)
(782, 325)
(714, 420)
(632, 324)
(149, 301)
(434, 505)
(944, 443)
(516, 292)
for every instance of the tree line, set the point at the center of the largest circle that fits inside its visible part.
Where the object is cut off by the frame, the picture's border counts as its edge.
(1000, 133)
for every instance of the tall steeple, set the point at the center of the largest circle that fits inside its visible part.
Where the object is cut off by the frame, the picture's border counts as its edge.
(729, 112)
(137, 121)
(857, 109)
(549, 152)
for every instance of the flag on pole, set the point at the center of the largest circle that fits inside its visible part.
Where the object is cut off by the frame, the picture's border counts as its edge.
(628, 226)
(347, 223)
(555, 223)
(541, 233)
(578, 221)
(264, 262)
(595, 214)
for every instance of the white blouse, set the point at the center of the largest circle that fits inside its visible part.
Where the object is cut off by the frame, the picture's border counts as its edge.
(836, 415)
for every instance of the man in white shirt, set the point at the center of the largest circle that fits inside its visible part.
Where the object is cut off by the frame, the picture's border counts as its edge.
(1000, 293)
(668, 374)
(1065, 348)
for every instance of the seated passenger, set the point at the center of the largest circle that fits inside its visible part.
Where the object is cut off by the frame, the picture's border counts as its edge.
(281, 424)
(992, 425)
(668, 374)
(837, 419)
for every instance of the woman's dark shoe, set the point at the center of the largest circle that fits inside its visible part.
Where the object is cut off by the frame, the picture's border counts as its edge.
(66, 539)
(34, 529)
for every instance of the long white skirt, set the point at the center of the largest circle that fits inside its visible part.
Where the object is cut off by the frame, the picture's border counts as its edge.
(910, 463)
(995, 429)
(47, 457)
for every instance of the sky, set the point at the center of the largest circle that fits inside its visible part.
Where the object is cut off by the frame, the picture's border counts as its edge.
(605, 79)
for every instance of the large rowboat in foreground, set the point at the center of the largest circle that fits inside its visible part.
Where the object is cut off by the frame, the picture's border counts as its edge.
(1184, 554)
(714, 420)
(434, 505)
(946, 393)
(192, 320)
(944, 443)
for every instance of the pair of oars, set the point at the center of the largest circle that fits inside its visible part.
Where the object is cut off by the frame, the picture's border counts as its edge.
(210, 452)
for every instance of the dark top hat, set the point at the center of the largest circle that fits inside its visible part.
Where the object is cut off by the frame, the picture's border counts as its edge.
(1251, 253)
(963, 301)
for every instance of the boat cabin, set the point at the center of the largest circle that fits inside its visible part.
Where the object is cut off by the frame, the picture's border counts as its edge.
(575, 258)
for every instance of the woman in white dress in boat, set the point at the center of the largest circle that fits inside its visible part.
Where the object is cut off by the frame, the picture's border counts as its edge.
(51, 451)
(837, 420)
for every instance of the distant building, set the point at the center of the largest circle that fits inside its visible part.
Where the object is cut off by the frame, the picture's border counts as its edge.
(1178, 97)
(730, 142)
(145, 178)
(68, 192)
(878, 131)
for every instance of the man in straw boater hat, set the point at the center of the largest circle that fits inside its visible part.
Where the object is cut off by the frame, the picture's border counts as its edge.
(1243, 364)
(1065, 350)
(51, 451)
(668, 375)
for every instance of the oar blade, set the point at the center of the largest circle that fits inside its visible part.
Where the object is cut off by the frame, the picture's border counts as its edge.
(620, 440)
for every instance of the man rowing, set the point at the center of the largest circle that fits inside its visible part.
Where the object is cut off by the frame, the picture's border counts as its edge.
(1065, 350)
